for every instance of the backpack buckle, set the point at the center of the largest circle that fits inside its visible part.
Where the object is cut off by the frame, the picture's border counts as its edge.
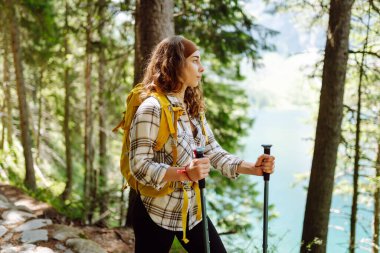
(187, 185)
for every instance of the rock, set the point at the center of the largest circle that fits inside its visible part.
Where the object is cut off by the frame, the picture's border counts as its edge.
(68, 251)
(63, 232)
(3, 230)
(9, 248)
(5, 205)
(28, 248)
(3, 198)
(84, 246)
(25, 248)
(42, 250)
(23, 208)
(4, 202)
(7, 237)
(60, 246)
(34, 235)
(33, 224)
(15, 216)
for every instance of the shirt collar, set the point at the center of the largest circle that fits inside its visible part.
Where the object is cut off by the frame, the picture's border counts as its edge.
(174, 100)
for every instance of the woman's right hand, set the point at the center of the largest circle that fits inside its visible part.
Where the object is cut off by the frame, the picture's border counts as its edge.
(198, 169)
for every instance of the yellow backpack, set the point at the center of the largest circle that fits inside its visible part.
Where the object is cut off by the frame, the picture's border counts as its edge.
(168, 127)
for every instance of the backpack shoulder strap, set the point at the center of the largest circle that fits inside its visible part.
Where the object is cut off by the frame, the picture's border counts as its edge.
(168, 124)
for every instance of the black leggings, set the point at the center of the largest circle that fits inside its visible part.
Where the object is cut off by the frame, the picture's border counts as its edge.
(149, 237)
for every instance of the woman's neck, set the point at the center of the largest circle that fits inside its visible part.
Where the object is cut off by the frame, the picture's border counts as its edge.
(181, 95)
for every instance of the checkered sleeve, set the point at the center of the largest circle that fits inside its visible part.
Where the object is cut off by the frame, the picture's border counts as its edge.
(220, 159)
(143, 135)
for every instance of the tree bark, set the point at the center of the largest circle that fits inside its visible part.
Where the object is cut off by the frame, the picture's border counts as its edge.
(88, 149)
(317, 212)
(103, 198)
(39, 123)
(66, 127)
(376, 213)
(30, 180)
(7, 87)
(355, 194)
(153, 23)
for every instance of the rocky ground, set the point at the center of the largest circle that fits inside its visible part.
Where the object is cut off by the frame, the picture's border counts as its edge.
(30, 226)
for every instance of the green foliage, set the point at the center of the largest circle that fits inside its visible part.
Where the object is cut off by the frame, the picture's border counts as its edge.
(39, 26)
(224, 30)
(227, 107)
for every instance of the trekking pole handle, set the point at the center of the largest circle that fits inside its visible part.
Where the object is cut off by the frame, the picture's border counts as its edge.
(198, 152)
(267, 152)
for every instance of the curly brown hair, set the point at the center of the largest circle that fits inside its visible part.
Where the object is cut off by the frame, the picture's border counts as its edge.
(163, 74)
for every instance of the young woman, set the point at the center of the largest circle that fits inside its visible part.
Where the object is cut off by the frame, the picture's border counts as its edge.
(175, 69)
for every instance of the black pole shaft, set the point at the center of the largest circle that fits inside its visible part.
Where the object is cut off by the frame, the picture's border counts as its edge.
(202, 185)
(266, 193)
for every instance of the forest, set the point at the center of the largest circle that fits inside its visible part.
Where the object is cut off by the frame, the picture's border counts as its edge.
(68, 65)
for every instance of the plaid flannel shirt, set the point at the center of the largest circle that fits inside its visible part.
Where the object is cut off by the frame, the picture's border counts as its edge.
(149, 166)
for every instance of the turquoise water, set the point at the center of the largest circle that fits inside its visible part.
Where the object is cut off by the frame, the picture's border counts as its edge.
(291, 137)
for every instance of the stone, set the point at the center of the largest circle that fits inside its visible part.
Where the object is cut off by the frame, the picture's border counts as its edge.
(34, 235)
(7, 237)
(4, 202)
(3, 198)
(23, 208)
(60, 246)
(84, 246)
(33, 224)
(63, 232)
(25, 248)
(9, 248)
(15, 216)
(68, 251)
(28, 248)
(3, 230)
(42, 250)
(5, 205)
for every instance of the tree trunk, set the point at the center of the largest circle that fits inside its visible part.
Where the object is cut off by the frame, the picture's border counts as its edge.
(66, 128)
(355, 194)
(103, 198)
(7, 87)
(376, 214)
(317, 212)
(38, 137)
(30, 180)
(2, 127)
(88, 149)
(153, 23)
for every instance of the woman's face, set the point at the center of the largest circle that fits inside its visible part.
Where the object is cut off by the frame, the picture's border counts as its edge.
(192, 72)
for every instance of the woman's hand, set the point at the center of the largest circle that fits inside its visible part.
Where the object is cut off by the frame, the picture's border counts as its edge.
(264, 163)
(198, 169)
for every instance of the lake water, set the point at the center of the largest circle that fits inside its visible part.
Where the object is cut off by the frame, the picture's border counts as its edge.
(291, 137)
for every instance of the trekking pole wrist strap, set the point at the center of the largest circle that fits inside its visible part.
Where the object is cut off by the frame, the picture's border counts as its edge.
(184, 171)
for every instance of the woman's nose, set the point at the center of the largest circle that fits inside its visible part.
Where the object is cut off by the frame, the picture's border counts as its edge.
(201, 69)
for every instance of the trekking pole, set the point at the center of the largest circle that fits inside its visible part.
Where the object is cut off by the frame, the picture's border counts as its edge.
(266, 191)
(202, 185)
